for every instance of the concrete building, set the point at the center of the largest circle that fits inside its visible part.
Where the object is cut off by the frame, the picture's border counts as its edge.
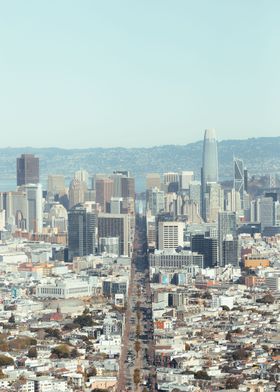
(170, 235)
(153, 181)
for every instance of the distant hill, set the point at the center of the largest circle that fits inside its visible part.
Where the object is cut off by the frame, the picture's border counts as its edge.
(260, 155)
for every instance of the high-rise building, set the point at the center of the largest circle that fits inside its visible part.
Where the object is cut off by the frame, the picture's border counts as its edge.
(171, 181)
(155, 201)
(238, 182)
(77, 191)
(34, 197)
(153, 181)
(185, 178)
(27, 169)
(82, 176)
(56, 184)
(170, 235)
(206, 246)
(209, 171)
(104, 192)
(266, 212)
(15, 206)
(116, 225)
(213, 201)
(128, 187)
(226, 228)
(116, 205)
(82, 225)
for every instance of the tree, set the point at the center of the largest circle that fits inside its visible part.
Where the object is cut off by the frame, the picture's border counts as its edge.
(5, 360)
(267, 299)
(232, 383)
(136, 376)
(32, 352)
(22, 343)
(84, 320)
(62, 351)
(91, 372)
(240, 354)
(53, 332)
(202, 375)
(137, 346)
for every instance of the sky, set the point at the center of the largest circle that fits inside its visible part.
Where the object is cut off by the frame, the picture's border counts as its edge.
(137, 73)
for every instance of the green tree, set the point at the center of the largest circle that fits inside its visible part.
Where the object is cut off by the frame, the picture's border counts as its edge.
(84, 320)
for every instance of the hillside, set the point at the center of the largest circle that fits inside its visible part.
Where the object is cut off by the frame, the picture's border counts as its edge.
(260, 155)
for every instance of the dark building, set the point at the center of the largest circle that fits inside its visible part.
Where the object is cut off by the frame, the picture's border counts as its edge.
(230, 252)
(27, 170)
(81, 232)
(206, 246)
(127, 187)
(115, 225)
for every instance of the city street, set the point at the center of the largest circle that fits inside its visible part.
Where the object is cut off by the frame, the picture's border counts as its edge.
(137, 371)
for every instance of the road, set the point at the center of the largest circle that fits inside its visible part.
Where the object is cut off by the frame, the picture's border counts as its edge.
(137, 356)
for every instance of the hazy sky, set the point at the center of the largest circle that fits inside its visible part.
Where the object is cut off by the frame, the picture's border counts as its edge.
(89, 73)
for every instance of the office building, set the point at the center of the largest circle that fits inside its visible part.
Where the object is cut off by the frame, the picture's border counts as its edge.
(116, 225)
(56, 184)
(206, 246)
(27, 169)
(185, 178)
(239, 179)
(155, 201)
(171, 182)
(116, 205)
(82, 176)
(81, 232)
(15, 206)
(213, 201)
(153, 181)
(170, 235)
(77, 191)
(34, 196)
(104, 192)
(230, 251)
(226, 227)
(266, 212)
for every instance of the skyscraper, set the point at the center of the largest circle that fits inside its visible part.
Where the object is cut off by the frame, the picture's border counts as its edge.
(238, 171)
(34, 207)
(77, 191)
(81, 231)
(227, 233)
(27, 169)
(209, 171)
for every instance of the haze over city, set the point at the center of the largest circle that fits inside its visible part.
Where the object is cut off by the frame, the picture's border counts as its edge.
(140, 230)
(127, 73)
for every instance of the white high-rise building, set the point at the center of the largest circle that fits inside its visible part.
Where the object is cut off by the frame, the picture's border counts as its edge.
(186, 177)
(170, 235)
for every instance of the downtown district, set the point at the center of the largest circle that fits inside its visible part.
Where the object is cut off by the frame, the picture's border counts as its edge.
(174, 289)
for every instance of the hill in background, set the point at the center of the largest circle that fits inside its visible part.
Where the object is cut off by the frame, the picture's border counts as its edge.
(260, 155)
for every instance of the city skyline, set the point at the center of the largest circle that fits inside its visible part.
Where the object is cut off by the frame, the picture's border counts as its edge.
(130, 74)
